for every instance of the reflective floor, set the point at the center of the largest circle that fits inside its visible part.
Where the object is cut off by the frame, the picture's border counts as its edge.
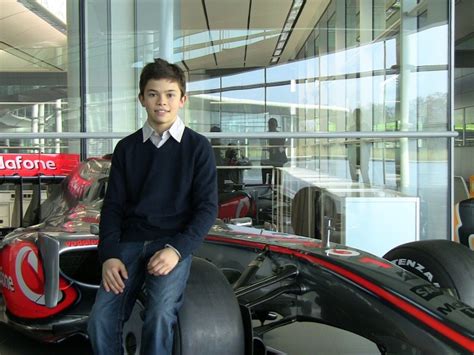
(14, 343)
(295, 339)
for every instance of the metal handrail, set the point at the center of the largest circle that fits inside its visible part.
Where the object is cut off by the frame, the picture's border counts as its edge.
(247, 135)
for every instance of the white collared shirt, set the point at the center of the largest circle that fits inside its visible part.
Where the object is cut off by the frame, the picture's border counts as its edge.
(176, 131)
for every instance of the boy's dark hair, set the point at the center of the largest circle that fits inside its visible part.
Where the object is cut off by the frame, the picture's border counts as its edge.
(161, 69)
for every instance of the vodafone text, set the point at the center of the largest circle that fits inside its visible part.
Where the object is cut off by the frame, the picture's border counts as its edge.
(29, 164)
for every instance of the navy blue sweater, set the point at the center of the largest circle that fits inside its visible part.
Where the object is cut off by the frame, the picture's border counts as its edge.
(168, 193)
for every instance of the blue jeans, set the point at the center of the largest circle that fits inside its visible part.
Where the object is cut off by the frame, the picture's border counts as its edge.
(165, 296)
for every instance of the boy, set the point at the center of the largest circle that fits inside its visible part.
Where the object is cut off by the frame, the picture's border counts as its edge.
(161, 201)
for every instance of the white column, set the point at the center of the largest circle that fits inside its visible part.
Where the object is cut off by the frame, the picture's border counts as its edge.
(59, 124)
(340, 116)
(407, 89)
(166, 29)
(123, 94)
(73, 102)
(366, 84)
(34, 123)
(41, 126)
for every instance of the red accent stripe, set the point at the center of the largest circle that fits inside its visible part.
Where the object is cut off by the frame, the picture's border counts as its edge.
(425, 318)
(367, 260)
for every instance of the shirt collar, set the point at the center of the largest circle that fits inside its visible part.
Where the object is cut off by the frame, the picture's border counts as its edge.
(176, 130)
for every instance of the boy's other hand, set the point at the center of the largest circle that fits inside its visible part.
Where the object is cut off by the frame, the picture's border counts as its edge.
(113, 273)
(163, 262)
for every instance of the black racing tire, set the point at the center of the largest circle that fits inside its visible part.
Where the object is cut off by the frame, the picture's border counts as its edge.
(209, 321)
(444, 263)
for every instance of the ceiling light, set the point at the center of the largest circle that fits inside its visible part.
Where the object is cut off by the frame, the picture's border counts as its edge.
(52, 13)
(288, 26)
(293, 14)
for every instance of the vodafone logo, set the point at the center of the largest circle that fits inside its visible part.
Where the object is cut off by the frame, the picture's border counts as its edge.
(29, 277)
(342, 252)
(34, 164)
(18, 163)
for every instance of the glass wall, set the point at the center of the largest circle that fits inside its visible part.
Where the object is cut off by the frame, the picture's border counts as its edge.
(464, 98)
(356, 87)
(39, 64)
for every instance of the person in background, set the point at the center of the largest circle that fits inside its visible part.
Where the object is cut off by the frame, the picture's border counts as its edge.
(358, 152)
(274, 152)
(219, 154)
(160, 203)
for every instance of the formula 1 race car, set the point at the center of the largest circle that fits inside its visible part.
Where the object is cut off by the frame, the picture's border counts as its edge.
(244, 283)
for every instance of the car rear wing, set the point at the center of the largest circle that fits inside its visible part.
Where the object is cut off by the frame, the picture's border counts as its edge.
(37, 181)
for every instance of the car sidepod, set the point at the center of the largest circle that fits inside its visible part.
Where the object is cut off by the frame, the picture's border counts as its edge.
(342, 287)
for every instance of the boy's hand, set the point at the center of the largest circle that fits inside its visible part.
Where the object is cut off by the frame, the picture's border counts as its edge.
(113, 273)
(163, 262)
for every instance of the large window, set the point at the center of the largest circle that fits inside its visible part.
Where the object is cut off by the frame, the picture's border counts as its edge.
(39, 64)
(341, 79)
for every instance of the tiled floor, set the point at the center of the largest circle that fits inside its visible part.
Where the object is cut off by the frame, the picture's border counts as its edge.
(295, 339)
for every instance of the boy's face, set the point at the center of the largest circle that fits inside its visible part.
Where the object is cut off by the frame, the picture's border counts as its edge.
(162, 101)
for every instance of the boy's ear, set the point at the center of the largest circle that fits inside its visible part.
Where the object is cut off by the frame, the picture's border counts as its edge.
(140, 98)
(183, 99)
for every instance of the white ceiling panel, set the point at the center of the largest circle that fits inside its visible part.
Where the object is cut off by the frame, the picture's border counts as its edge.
(259, 54)
(231, 58)
(269, 14)
(203, 62)
(233, 45)
(192, 16)
(229, 14)
(10, 8)
(23, 29)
